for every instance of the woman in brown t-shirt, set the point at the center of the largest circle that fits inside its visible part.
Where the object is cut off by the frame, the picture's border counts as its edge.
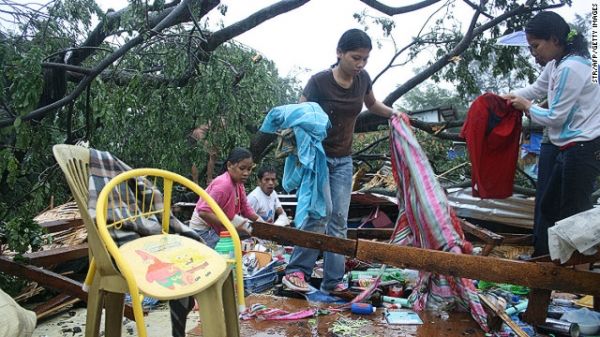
(341, 91)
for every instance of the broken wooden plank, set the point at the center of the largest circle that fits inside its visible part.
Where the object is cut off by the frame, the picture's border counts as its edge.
(54, 226)
(575, 259)
(55, 305)
(534, 275)
(500, 313)
(481, 233)
(54, 256)
(49, 279)
(490, 238)
(517, 239)
(291, 236)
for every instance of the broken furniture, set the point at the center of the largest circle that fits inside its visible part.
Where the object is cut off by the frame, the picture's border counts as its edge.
(109, 281)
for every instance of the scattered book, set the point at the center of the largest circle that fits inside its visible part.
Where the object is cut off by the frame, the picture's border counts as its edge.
(402, 316)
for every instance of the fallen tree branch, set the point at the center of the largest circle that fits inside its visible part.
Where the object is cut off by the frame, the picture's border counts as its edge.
(367, 121)
(391, 11)
(178, 15)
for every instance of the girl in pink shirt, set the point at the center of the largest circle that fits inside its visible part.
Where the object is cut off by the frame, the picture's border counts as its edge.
(228, 192)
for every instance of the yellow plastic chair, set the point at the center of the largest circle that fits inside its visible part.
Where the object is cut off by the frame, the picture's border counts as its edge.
(161, 266)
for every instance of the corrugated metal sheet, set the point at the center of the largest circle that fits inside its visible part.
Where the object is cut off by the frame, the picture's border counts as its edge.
(515, 211)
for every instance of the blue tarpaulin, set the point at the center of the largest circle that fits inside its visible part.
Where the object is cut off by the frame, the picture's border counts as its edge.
(535, 143)
(516, 39)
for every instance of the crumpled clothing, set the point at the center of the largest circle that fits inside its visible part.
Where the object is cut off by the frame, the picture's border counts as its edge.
(579, 232)
(262, 312)
(305, 170)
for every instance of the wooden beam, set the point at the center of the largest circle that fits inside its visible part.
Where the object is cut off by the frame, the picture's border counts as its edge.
(490, 238)
(291, 236)
(533, 275)
(57, 255)
(55, 305)
(537, 309)
(575, 259)
(43, 277)
(482, 234)
(370, 233)
(49, 279)
(517, 239)
(60, 225)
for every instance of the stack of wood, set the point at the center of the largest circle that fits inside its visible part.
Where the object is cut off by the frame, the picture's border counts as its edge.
(65, 242)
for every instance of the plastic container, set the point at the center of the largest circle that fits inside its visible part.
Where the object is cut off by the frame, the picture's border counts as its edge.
(588, 320)
(362, 308)
(519, 307)
(259, 283)
(225, 245)
(263, 279)
(403, 302)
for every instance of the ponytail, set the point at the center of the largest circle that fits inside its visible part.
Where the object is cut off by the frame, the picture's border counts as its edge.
(576, 44)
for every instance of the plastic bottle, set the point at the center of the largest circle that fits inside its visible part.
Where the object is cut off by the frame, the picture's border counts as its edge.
(362, 308)
(519, 307)
(395, 300)
(225, 245)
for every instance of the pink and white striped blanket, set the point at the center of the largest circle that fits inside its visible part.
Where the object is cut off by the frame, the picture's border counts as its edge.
(429, 222)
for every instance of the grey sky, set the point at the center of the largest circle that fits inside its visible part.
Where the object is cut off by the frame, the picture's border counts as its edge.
(303, 41)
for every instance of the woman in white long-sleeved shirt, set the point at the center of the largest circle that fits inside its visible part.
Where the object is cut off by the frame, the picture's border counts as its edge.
(572, 118)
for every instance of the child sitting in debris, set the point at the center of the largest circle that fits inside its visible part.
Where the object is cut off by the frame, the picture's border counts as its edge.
(264, 199)
(228, 192)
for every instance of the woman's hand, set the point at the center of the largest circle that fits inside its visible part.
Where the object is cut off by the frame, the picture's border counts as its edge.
(518, 102)
(521, 103)
(401, 115)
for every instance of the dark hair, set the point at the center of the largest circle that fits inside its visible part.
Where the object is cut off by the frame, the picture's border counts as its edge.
(353, 39)
(265, 169)
(235, 156)
(546, 25)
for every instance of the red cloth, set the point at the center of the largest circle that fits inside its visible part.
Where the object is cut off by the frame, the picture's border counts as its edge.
(492, 131)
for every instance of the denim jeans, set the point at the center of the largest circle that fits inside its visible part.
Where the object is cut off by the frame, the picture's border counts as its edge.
(335, 223)
(569, 190)
(546, 160)
(209, 236)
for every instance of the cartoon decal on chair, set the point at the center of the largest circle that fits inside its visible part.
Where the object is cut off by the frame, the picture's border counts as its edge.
(168, 274)
(165, 274)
